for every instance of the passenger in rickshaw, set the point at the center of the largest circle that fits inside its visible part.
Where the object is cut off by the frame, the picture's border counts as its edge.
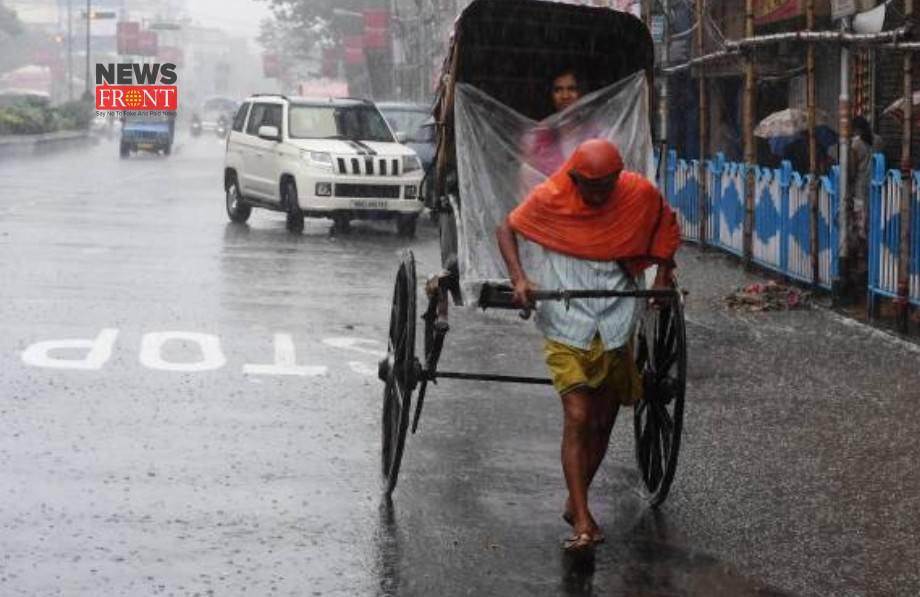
(600, 227)
(547, 147)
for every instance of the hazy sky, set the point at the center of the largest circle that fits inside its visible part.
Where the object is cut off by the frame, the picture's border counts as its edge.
(238, 16)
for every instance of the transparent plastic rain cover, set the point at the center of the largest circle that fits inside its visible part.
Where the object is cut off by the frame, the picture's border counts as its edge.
(502, 155)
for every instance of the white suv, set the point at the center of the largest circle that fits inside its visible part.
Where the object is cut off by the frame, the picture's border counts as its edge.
(334, 158)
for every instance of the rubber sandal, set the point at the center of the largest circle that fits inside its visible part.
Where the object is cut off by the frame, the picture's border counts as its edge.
(579, 543)
(570, 520)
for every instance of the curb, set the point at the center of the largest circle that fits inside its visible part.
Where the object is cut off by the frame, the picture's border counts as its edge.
(873, 331)
(28, 145)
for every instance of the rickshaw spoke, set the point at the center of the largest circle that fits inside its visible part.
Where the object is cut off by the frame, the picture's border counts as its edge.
(663, 416)
(666, 365)
(641, 352)
(642, 447)
(649, 442)
(665, 335)
(654, 473)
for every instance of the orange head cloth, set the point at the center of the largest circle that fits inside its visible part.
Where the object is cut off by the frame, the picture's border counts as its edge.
(596, 158)
(635, 225)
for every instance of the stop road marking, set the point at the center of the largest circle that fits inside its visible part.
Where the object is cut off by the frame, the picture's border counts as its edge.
(94, 353)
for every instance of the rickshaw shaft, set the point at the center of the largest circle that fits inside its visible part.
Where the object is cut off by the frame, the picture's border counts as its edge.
(487, 377)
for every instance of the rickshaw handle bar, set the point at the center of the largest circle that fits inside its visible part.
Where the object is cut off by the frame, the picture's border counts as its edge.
(500, 297)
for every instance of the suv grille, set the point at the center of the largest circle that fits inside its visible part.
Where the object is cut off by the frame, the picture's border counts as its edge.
(367, 191)
(370, 166)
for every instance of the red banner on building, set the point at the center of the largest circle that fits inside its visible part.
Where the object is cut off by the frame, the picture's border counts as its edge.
(376, 29)
(775, 11)
(126, 34)
(354, 49)
(147, 43)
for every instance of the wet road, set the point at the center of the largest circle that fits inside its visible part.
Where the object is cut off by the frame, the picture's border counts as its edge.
(222, 436)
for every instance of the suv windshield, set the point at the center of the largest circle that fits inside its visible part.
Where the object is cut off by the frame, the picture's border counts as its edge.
(406, 121)
(362, 123)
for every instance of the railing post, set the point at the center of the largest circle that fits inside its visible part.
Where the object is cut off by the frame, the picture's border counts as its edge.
(833, 222)
(670, 167)
(717, 167)
(875, 233)
(785, 179)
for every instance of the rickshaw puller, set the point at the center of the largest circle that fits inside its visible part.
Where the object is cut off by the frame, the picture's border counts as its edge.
(600, 228)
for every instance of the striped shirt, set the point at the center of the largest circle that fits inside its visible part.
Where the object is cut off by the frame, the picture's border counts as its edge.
(577, 326)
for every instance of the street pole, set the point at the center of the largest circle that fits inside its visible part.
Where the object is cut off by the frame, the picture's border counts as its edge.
(843, 245)
(811, 93)
(750, 92)
(89, 20)
(906, 187)
(704, 128)
(70, 50)
(663, 98)
(422, 25)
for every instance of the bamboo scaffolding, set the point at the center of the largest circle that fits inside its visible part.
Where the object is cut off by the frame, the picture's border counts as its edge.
(812, 144)
(702, 179)
(843, 191)
(901, 302)
(885, 39)
(750, 98)
(663, 103)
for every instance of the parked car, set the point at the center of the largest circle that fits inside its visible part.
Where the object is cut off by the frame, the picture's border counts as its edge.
(214, 114)
(414, 126)
(333, 158)
(146, 133)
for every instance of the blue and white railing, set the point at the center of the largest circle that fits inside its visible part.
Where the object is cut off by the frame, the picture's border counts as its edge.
(683, 194)
(885, 200)
(782, 214)
(726, 205)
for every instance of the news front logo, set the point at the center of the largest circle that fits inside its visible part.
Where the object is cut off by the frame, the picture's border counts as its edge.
(122, 87)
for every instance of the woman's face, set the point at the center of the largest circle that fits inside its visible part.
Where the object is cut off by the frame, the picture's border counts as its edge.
(565, 91)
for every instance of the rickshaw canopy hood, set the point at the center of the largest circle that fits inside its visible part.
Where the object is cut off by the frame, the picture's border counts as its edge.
(510, 48)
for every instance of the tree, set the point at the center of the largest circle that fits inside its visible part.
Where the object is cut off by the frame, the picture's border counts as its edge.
(299, 26)
(9, 22)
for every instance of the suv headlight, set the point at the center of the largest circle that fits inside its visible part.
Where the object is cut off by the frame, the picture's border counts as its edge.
(319, 159)
(411, 163)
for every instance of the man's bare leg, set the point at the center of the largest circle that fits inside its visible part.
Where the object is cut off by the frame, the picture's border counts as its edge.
(577, 444)
(603, 414)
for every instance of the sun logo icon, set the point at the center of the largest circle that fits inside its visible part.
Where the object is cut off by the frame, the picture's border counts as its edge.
(134, 98)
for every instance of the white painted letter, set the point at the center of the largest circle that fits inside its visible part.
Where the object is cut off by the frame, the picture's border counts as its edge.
(211, 355)
(285, 361)
(354, 344)
(362, 368)
(99, 351)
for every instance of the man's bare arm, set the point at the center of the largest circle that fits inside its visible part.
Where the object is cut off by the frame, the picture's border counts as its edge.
(508, 245)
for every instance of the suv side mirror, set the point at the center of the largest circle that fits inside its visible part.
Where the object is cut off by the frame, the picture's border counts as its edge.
(401, 137)
(269, 133)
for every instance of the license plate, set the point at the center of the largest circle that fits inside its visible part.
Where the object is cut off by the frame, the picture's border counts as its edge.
(145, 146)
(369, 204)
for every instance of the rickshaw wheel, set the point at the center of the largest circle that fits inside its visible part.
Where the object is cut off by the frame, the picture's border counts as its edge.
(399, 371)
(661, 357)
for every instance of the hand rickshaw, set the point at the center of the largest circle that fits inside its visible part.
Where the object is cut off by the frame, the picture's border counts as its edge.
(504, 47)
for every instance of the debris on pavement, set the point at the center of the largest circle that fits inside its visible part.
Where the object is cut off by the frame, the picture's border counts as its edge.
(769, 296)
